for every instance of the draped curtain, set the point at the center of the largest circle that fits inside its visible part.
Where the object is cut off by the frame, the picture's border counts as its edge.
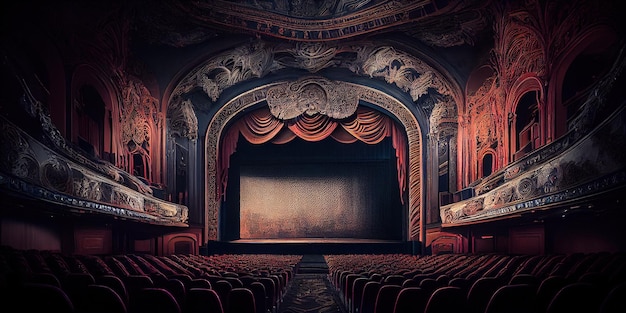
(260, 126)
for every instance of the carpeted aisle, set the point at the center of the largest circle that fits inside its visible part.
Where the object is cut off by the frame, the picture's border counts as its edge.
(310, 290)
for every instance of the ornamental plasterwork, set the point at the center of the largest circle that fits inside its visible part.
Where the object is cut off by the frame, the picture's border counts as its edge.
(310, 96)
(375, 97)
(257, 59)
(40, 172)
(554, 177)
(444, 112)
(518, 49)
(139, 113)
(183, 120)
(53, 135)
(311, 56)
(308, 8)
(453, 30)
(375, 18)
(252, 60)
(405, 71)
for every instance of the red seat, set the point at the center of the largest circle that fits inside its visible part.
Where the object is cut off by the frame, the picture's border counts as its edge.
(203, 300)
(241, 300)
(575, 297)
(518, 298)
(410, 300)
(153, 300)
(386, 298)
(368, 299)
(103, 299)
(446, 300)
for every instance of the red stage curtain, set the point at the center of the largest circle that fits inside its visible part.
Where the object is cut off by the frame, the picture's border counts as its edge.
(260, 126)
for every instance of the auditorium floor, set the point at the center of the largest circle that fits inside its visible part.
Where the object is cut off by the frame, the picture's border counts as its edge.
(310, 290)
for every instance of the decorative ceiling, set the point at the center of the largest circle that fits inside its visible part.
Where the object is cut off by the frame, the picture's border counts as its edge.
(435, 23)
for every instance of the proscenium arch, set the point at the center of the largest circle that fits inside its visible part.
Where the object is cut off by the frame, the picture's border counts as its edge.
(230, 110)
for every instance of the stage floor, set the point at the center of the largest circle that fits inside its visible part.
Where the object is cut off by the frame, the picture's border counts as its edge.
(309, 246)
(314, 240)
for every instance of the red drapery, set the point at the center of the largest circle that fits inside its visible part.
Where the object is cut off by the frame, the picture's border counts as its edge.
(260, 126)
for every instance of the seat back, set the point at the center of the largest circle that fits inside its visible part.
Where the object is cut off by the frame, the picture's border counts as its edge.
(103, 299)
(614, 302)
(575, 297)
(357, 293)
(518, 298)
(446, 300)
(480, 292)
(548, 287)
(153, 300)
(114, 283)
(410, 300)
(260, 297)
(241, 300)
(386, 298)
(75, 285)
(368, 298)
(34, 297)
(223, 289)
(203, 300)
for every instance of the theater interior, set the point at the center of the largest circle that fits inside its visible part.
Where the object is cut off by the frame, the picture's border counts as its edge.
(353, 156)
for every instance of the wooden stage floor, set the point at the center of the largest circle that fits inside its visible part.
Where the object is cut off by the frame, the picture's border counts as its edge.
(309, 246)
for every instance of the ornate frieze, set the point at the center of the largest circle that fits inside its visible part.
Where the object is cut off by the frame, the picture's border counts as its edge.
(257, 59)
(360, 20)
(312, 95)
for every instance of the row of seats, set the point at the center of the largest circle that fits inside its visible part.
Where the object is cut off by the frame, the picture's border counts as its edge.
(489, 283)
(36, 281)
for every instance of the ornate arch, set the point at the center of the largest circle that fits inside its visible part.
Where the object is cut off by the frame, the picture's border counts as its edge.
(386, 103)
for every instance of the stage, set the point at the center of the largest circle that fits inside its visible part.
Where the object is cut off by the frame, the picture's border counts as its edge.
(311, 246)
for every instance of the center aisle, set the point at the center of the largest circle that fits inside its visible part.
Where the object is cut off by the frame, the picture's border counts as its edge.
(310, 290)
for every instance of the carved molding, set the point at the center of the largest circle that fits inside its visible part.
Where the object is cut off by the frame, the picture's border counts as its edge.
(257, 59)
(232, 108)
(375, 18)
(551, 175)
(34, 170)
(312, 95)
(183, 120)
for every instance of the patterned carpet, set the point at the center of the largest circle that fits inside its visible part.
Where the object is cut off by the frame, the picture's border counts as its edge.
(311, 293)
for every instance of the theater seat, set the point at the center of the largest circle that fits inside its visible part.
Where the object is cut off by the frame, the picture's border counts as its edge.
(34, 297)
(153, 300)
(241, 300)
(575, 297)
(446, 300)
(368, 298)
(480, 292)
(103, 299)
(203, 300)
(386, 299)
(410, 300)
(614, 300)
(512, 299)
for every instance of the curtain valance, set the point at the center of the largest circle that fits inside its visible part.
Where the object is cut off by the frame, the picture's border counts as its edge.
(260, 126)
